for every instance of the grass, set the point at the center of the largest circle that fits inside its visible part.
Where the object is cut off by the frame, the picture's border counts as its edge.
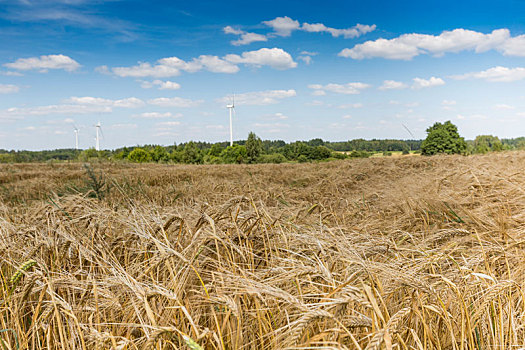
(380, 253)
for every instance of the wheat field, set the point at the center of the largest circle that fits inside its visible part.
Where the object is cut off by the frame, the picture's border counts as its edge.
(386, 253)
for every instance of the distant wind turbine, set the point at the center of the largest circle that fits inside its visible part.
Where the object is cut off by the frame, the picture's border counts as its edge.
(410, 132)
(231, 107)
(76, 130)
(97, 138)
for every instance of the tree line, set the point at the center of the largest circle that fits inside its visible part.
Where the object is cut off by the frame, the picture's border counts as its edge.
(441, 138)
(251, 150)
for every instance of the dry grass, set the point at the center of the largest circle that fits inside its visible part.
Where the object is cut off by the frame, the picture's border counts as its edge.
(395, 253)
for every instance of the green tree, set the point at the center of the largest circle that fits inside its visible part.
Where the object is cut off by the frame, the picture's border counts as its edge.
(234, 154)
(191, 154)
(487, 143)
(443, 138)
(254, 148)
(139, 155)
(159, 154)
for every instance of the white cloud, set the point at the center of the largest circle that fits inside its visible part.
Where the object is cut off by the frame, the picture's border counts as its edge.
(275, 58)
(283, 26)
(8, 89)
(420, 83)
(167, 124)
(157, 115)
(407, 46)
(215, 64)
(305, 59)
(162, 85)
(392, 85)
(448, 103)
(347, 89)
(143, 70)
(496, 74)
(173, 66)
(503, 106)
(352, 32)
(246, 38)
(319, 93)
(350, 105)
(259, 98)
(71, 109)
(347, 116)
(44, 63)
(174, 102)
(12, 74)
(131, 102)
(309, 53)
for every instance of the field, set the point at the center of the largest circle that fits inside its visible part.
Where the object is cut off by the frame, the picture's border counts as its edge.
(379, 253)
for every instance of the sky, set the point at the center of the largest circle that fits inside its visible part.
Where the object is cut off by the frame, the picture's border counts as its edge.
(162, 72)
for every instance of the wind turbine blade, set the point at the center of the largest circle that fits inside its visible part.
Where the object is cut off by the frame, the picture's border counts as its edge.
(408, 131)
(101, 133)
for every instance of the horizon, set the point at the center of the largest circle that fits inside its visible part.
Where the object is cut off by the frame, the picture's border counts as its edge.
(161, 73)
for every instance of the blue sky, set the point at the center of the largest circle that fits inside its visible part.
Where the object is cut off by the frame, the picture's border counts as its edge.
(162, 72)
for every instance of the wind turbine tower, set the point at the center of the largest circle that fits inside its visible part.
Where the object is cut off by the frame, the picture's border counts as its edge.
(231, 107)
(76, 137)
(97, 138)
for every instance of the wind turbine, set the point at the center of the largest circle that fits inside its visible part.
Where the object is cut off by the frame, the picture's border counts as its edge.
(76, 130)
(231, 107)
(97, 138)
(410, 132)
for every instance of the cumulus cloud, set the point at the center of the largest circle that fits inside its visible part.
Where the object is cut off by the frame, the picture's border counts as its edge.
(284, 26)
(173, 66)
(131, 102)
(275, 58)
(259, 98)
(350, 105)
(71, 106)
(245, 37)
(407, 46)
(44, 63)
(420, 83)
(352, 32)
(503, 106)
(392, 85)
(167, 124)
(448, 104)
(496, 74)
(157, 115)
(70, 109)
(346, 89)
(8, 89)
(162, 85)
(174, 102)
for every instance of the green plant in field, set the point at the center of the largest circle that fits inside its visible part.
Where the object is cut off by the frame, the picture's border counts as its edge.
(96, 182)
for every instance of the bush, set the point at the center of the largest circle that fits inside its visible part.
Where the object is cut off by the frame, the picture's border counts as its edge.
(139, 155)
(360, 154)
(276, 158)
(235, 154)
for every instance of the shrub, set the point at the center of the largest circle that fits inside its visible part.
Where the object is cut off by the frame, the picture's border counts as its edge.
(276, 158)
(139, 155)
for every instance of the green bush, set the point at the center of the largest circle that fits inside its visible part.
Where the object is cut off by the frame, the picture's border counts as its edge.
(276, 158)
(235, 154)
(139, 155)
